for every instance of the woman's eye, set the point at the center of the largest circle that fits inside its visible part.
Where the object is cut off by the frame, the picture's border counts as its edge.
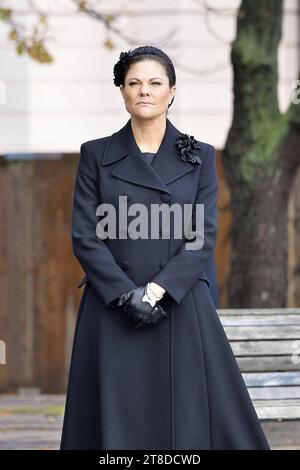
(153, 83)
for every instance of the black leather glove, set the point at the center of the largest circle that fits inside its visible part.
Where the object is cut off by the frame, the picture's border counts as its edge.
(140, 312)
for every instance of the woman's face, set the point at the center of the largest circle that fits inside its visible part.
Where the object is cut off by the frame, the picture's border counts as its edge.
(147, 81)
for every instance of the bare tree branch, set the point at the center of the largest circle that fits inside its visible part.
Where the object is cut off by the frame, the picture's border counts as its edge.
(108, 22)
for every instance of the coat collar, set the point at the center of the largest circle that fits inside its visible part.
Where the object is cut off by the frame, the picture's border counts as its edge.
(166, 167)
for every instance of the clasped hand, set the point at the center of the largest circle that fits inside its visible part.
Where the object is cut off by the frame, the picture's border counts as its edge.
(140, 311)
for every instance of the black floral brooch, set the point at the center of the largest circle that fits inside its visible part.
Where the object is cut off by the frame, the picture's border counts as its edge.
(187, 147)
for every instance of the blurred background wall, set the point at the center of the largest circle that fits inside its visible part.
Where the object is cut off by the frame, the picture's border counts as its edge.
(48, 110)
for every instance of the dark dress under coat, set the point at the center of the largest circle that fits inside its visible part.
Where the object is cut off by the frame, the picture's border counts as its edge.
(173, 386)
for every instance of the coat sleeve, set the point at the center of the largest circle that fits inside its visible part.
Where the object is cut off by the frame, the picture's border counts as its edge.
(184, 268)
(100, 266)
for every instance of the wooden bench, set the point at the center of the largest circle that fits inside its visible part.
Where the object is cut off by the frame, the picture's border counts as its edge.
(266, 344)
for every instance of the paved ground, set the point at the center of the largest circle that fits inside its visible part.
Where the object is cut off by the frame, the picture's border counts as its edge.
(31, 421)
(35, 422)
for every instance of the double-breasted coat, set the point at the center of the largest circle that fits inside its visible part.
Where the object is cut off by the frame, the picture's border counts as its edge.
(175, 385)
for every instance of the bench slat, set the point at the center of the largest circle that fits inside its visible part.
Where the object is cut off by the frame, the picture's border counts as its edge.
(274, 410)
(258, 311)
(274, 393)
(263, 332)
(267, 364)
(235, 320)
(260, 379)
(265, 348)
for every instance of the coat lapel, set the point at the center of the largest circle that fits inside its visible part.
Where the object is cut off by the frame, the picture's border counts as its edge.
(166, 167)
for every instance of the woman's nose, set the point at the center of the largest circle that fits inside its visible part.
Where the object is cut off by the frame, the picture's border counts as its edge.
(144, 90)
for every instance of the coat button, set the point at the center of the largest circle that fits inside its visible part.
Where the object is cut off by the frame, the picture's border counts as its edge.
(163, 264)
(125, 265)
(165, 197)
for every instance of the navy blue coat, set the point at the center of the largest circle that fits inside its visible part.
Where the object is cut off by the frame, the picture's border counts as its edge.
(173, 386)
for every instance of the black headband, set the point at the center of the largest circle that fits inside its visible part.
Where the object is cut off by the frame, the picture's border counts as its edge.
(149, 50)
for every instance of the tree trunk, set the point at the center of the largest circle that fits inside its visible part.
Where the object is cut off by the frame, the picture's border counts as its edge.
(261, 157)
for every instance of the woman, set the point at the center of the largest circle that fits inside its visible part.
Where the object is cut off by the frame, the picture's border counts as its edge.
(151, 366)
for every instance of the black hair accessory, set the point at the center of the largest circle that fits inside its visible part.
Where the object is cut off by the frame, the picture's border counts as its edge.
(150, 50)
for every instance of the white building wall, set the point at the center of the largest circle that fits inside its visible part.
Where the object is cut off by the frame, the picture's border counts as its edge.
(55, 107)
